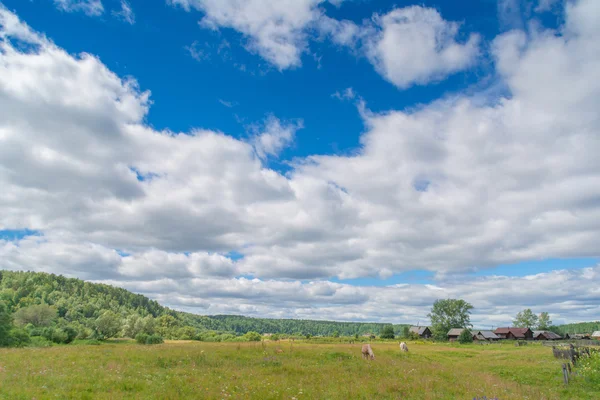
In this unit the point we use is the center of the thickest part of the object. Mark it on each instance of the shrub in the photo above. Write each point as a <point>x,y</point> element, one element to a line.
<point>18,338</point>
<point>59,336</point>
<point>589,367</point>
<point>252,336</point>
<point>141,338</point>
<point>465,337</point>
<point>154,339</point>
<point>39,341</point>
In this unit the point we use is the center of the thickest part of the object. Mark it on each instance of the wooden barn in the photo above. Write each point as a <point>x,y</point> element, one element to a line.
<point>485,336</point>
<point>514,333</point>
<point>423,331</point>
<point>454,333</point>
<point>596,335</point>
<point>545,335</point>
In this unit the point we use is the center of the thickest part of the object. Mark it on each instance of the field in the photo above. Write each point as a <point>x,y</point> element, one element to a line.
<point>285,370</point>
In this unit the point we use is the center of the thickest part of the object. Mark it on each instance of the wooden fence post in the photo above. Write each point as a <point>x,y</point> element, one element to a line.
<point>565,374</point>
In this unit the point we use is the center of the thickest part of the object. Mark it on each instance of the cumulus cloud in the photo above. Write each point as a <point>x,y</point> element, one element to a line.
<point>92,8</point>
<point>450,187</point>
<point>126,13</point>
<point>274,136</point>
<point>275,29</point>
<point>407,46</point>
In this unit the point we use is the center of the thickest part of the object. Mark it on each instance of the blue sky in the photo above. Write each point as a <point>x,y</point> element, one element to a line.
<point>206,150</point>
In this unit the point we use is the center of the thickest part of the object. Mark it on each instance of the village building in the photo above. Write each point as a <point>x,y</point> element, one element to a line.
<point>485,336</point>
<point>514,333</point>
<point>454,333</point>
<point>545,335</point>
<point>596,335</point>
<point>423,331</point>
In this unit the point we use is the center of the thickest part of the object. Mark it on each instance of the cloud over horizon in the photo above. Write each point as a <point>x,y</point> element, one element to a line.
<point>460,184</point>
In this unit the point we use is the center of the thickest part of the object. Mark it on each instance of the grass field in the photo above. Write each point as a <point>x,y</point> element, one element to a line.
<point>285,370</point>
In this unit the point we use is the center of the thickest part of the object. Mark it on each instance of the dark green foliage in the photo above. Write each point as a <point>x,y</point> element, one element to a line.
<point>154,339</point>
<point>465,337</point>
<point>18,337</point>
<point>387,332</point>
<point>405,332</point>
<point>447,314</point>
<point>141,338</point>
<point>5,324</point>
<point>580,327</point>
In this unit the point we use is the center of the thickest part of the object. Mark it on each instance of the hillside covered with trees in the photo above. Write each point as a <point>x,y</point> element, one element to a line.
<point>61,309</point>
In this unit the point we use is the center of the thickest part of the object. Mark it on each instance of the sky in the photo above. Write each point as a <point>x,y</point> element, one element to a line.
<point>345,160</point>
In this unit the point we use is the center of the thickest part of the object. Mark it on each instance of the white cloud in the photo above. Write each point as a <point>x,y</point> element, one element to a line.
<point>89,7</point>
<point>346,94</point>
<point>274,137</point>
<point>275,29</point>
<point>415,45</point>
<point>452,186</point>
<point>126,13</point>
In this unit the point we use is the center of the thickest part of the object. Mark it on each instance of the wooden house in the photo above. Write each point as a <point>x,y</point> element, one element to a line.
<point>423,331</point>
<point>514,333</point>
<point>545,335</point>
<point>485,336</point>
<point>454,333</point>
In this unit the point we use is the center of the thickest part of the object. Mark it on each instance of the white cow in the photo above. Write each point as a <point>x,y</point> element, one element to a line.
<point>403,347</point>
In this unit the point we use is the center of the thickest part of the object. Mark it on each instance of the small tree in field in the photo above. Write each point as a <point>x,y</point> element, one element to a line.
<point>387,332</point>
<point>465,337</point>
<point>406,332</point>
<point>336,334</point>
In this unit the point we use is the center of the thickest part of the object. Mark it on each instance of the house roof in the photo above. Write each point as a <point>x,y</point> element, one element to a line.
<point>455,331</point>
<point>548,334</point>
<point>487,334</point>
<point>517,332</point>
<point>596,334</point>
<point>418,329</point>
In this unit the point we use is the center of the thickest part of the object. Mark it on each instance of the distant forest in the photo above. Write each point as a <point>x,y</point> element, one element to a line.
<point>62,309</point>
<point>55,306</point>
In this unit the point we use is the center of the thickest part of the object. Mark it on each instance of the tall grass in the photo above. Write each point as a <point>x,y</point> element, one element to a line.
<point>285,370</point>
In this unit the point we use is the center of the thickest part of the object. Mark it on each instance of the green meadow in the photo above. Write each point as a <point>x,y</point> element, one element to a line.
<point>286,370</point>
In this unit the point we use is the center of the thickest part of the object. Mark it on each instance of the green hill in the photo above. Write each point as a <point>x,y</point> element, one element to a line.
<point>44,304</point>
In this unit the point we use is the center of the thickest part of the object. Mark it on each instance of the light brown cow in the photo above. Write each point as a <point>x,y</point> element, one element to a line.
<point>403,347</point>
<point>367,352</point>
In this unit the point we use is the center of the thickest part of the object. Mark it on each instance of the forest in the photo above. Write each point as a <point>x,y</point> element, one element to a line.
<point>47,307</point>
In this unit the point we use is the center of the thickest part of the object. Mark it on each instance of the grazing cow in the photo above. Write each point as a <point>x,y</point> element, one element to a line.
<point>367,352</point>
<point>403,347</point>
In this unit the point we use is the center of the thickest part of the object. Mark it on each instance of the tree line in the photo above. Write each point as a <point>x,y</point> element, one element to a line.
<point>52,308</point>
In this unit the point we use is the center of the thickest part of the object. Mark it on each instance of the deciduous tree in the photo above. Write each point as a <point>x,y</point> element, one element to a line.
<point>447,314</point>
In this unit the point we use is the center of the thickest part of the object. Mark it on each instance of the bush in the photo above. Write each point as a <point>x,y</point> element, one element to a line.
<point>141,338</point>
<point>252,336</point>
<point>465,337</point>
<point>18,338</point>
<point>154,339</point>
<point>59,336</point>
<point>589,367</point>
<point>39,341</point>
